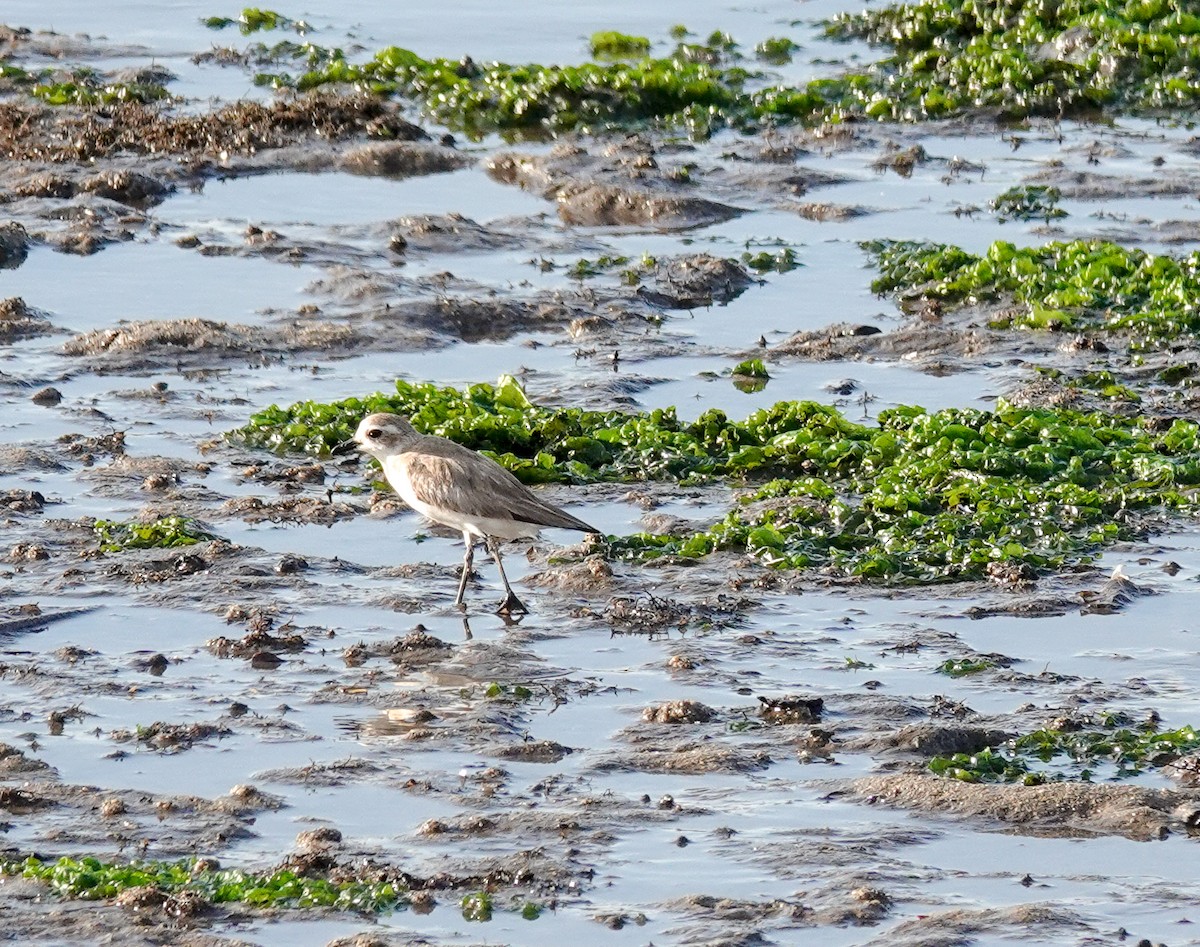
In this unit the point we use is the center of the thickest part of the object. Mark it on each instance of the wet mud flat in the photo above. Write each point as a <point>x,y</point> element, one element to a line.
<point>239,672</point>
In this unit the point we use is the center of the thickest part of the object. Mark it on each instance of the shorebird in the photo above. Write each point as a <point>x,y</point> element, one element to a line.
<point>458,487</point>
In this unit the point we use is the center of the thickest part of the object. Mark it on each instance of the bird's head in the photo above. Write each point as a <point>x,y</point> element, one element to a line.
<point>383,435</point>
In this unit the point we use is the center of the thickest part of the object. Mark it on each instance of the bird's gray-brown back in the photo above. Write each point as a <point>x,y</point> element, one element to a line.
<point>443,473</point>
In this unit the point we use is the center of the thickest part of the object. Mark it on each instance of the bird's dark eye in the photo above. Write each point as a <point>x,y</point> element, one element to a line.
<point>374,433</point>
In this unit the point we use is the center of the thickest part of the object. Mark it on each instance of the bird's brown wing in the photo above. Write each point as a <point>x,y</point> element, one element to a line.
<point>445,474</point>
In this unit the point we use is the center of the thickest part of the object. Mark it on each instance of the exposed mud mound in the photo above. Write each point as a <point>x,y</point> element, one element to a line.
<point>18,321</point>
<point>650,614</point>
<point>89,922</point>
<point>611,190</point>
<point>961,926</point>
<point>141,344</point>
<point>1052,809</point>
<point>14,762</point>
<point>835,213</point>
<point>402,159</point>
<point>698,280</point>
<point>934,348</point>
<point>1092,186</point>
<point>483,319</point>
<point>533,751</point>
<point>592,576</point>
<point>41,133</point>
<point>305,509</point>
<point>679,711</point>
<point>165,825</point>
<point>934,740</point>
<point>126,187</point>
<point>685,744</point>
<point>599,205</point>
<point>451,233</point>
<point>14,245</point>
<point>45,184</point>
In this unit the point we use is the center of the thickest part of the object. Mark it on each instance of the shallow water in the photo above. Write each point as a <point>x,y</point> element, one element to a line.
<point>793,842</point>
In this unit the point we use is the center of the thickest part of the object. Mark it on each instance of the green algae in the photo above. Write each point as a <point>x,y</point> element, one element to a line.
<point>1028,57</point>
<point>584,268</point>
<point>510,693</point>
<point>477,98</point>
<point>83,86</point>
<point>477,906</point>
<point>1080,284</point>
<point>956,494</point>
<point>610,44</point>
<point>92,879</point>
<point>306,53</point>
<point>79,86</point>
<point>1028,202</point>
<point>946,57</point>
<point>781,261</point>
<point>986,766</point>
<point>776,50</point>
<point>750,376</point>
<point>751,368</point>
<point>1112,750</point>
<point>539,444</point>
<point>698,87</point>
<point>98,92</point>
<point>165,533</point>
<point>1177,374</point>
<point>917,497</point>
<point>1105,384</point>
<point>964,667</point>
<point>942,58</point>
<point>254,19</point>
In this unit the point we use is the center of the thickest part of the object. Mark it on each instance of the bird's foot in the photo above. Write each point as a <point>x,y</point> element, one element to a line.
<point>510,605</point>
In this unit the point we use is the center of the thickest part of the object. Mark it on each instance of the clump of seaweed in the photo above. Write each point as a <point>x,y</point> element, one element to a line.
<point>165,533</point>
<point>1073,285</point>
<point>1112,749</point>
<point>917,497</point>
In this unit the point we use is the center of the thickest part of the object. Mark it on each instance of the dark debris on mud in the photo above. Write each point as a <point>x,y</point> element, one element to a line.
<point>171,737</point>
<point>650,614</point>
<point>69,135</point>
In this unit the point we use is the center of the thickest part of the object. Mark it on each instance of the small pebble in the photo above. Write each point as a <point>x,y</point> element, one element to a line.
<point>290,564</point>
<point>46,396</point>
<point>112,806</point>
<point>265,661</point>
<point>157,664</point>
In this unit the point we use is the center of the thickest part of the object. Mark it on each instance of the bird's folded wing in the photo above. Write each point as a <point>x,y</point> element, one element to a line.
<point>474,485</point>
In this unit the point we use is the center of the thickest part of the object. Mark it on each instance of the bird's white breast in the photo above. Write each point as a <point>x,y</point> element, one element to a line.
<point>447,515</point>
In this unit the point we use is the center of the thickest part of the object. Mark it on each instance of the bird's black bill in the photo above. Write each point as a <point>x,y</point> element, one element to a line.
<point>345,447</point>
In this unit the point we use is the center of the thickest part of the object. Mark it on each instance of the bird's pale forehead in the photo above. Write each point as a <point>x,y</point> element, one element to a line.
<point>376,420</point>
<point>389,423</point>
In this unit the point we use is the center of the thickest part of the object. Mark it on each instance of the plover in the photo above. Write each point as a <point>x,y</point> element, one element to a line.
<point>458,487</point>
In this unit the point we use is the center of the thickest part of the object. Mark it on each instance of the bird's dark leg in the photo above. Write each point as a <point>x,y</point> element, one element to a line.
<point>468,561</point>
<point>511,603</point>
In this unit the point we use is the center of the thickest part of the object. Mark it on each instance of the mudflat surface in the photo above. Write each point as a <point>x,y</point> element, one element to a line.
<point>708,752</point>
